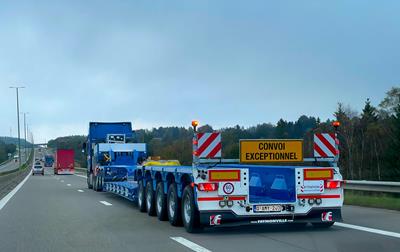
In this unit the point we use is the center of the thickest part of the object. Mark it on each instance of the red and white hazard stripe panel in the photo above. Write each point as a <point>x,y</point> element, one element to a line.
<point>325,145</point>
<point>209,145</point>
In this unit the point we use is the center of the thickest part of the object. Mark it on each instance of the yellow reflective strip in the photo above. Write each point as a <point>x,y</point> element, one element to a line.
<point>225,175</point>
<point>318,174</point>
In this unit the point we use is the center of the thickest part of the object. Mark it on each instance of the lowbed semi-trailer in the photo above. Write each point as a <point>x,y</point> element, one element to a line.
<point>211,193</point>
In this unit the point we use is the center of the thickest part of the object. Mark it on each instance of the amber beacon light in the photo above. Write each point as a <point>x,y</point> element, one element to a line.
<point>195,123</point>
<point>336,124</point>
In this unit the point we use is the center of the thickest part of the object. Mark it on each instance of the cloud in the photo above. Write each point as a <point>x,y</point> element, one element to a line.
<point>162,64</point>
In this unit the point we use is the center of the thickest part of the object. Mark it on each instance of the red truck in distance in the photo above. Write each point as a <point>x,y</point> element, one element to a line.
<point>64,162</point>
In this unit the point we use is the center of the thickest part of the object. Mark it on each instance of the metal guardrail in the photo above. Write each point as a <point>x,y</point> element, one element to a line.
<point>372,186</point>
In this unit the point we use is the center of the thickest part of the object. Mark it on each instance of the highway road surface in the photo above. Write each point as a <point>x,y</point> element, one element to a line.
<point>11,165</point>
<point>58,213</point>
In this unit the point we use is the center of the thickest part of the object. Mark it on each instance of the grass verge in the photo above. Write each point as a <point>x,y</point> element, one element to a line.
<point>372,199</point>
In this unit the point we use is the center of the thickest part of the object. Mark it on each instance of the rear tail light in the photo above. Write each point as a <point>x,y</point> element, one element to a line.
<point>208,187</point>
<point>333,184</point>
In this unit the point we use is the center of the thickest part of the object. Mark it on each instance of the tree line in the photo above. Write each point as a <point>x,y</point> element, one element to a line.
<point>369,139</point>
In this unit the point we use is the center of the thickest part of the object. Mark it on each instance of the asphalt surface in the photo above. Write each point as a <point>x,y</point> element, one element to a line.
<point>11,165</point>
<point>48,213</point>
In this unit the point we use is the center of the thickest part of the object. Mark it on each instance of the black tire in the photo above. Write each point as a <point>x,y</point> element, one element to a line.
<point>190,213</point>
<point>89,185</point>
<point>173,206</point>
<point>95,183</point>
<point>323,224</point>
<point>141,197</point>
<point>150,202</point>
<point>161,202</point>
<point>99,186</point>
<point>101,182</point>
<point>33,174</point>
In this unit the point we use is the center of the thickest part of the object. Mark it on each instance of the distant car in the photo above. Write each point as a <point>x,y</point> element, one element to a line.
<point>38,163</point>
<point>38,169</point>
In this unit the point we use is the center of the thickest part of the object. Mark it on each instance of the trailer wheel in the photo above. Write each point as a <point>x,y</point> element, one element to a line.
<point>161,202</point>
<point>88,179</point>
<point>141,199</point>
<point>173,206</point>
<point>150,206</point>
<point>323,224</point>
<point>94,179</point>
<point>99,183</point>
<point>190,214</point>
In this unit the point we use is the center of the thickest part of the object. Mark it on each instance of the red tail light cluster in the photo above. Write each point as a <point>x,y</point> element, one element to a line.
<point>208,187</point>
<point>333,184</point>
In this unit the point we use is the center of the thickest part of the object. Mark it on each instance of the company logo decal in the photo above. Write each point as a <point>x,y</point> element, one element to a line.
<point>215,220</point>
<point>326,216</point>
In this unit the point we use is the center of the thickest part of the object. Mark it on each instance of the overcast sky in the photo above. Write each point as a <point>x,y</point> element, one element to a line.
<point>163,63</point>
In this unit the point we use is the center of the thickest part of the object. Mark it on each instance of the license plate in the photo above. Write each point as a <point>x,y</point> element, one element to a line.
<point>268,208</point>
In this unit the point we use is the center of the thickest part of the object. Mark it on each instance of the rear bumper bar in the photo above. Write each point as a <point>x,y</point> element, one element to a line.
<point>65,172</point>
<point>228,218</point>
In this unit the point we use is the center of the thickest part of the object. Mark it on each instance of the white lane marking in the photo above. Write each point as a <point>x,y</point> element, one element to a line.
<point>62,181</point>
<point>68,184</point>
<point>106,203</point>
<point>80,190</point>
<point>366,229</point>
<point>193,246</point>
<point>6,198</point>
<point>80,176</point>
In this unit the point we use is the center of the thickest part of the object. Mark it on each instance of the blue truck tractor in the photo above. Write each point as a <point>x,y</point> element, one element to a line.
<point>110,155</point>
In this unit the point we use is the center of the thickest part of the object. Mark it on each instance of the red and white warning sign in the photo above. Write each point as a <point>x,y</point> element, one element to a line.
<point>209,145</point>
<point>325,145</point>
